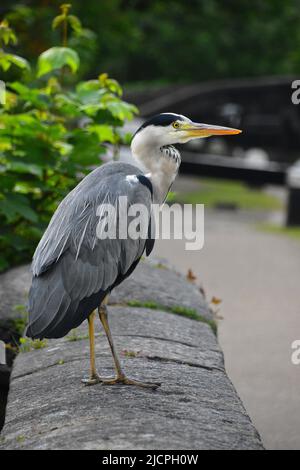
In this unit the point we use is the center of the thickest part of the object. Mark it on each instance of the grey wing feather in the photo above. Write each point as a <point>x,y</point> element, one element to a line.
<point>70,263</point>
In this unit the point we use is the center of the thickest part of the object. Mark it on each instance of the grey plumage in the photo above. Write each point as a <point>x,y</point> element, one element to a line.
<point>72,269</point>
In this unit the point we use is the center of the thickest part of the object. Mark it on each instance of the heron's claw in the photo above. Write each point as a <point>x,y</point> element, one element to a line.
<point>123,380</point>
<point>94,380</point>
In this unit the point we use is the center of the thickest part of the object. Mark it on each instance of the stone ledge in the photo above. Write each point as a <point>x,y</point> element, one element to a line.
<point>196,407</point>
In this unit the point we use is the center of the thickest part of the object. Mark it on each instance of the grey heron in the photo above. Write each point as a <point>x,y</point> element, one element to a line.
<point>73,270</point>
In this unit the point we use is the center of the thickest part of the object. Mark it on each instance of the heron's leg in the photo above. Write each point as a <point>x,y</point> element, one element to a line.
<point>94,377</point>
<point>121,377</point>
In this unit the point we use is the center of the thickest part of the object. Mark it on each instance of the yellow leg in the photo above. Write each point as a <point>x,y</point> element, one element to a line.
<point>94,377</point>
<point>121,377</point>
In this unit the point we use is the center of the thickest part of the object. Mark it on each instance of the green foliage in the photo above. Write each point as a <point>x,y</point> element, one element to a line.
<point>64,20</point>
<point>19,323</point>
<point>174,41</point>
<point>7,36</point>
<point>52,132</point>
<point>74,336</point>
<point>56,58</point>
<point>28,345</point>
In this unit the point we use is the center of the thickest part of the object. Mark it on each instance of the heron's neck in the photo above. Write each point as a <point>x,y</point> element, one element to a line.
<point>161,165</point>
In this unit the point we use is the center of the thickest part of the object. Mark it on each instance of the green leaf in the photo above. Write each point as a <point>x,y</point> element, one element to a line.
<point>111,84</point>
<point>5,144</point>
<point>121,109</point>
<point>90,92</point>
<point>31,96</point>
<point>104,132</point>
<point>23,167</point>
<point>15,205</point>
<point>67,105</point>
<point>63,147</point>
<point>58,20</point>
<point>7,35</point>
<point>56,58</point>
<point>5,64</point>
<point>7,60</point>
<point>75,23</point>
<point>18,61</point>
<point>86,149</point>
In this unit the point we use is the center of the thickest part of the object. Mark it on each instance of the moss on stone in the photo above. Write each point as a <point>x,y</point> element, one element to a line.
<point>177,310</point>
<point>74,336</point>
<point>27,344</point>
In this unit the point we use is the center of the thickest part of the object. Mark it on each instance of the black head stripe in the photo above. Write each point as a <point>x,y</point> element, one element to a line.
<point>161,120</point>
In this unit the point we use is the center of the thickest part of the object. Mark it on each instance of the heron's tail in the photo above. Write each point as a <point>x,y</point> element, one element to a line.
<point>49,307</point>
<point>52,311</point>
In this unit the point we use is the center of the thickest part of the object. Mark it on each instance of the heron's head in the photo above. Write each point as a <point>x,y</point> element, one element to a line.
<point>168,128</point>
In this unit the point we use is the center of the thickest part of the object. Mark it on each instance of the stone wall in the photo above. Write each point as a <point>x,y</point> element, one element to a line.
<point>196,407</point>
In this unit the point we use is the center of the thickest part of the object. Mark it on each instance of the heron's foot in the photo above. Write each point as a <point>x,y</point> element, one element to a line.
<point>123,380</point>
<point>92,380</point>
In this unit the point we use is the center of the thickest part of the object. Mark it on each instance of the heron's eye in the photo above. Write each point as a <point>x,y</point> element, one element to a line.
<point>176,125</point>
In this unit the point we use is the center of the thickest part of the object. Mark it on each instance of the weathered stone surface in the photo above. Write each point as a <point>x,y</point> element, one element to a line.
<point>167,288</point>
<point>147,333</point>
<point>195,408</point>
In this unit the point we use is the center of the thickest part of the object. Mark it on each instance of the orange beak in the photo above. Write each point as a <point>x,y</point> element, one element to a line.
<point>206,130</point>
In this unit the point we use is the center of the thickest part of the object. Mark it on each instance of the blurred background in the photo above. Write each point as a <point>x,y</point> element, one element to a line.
<point>229,63</point>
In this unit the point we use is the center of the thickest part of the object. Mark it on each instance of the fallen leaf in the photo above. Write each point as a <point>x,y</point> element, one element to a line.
<point>215,301</point>
<point>191,276</point>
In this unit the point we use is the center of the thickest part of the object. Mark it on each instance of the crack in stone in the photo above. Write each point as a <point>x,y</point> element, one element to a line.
<point>141,356</point>
<point>151,358</point>
<point>181,362</point>
<point>159,338</point>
